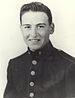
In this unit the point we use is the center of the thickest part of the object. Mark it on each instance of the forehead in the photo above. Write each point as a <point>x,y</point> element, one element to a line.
<point>34,17</point>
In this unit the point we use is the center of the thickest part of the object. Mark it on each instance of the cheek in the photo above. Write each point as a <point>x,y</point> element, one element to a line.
<point>44,34</point>
<point>25,34</point>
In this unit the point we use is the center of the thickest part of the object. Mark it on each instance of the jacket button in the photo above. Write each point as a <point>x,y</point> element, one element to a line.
<point>34,62</point>
<point>40,52</point>
<point>31,94</point>
<point>31,83</point>
<point>32,73</point>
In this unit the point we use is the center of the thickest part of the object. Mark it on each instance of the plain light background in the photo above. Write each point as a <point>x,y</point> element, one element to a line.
<point>11,41</point>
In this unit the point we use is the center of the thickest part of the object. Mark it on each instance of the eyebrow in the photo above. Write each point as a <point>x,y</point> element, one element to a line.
<point>41,24</point>
<point>26,24</point>
<point>36,24</point>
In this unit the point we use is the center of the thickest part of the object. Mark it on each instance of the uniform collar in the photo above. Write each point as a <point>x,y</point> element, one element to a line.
<point>47,50</point>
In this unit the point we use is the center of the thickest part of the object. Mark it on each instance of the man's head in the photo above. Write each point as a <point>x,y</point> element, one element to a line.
<point>35,7</point>
<point>36,24</point>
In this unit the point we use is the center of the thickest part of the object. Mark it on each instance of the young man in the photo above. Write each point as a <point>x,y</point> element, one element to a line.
<point>43,71</point>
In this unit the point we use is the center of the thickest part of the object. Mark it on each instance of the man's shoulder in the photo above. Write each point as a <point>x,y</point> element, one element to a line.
<point>66,56</point>
<point>63,56</point>
<point>20,57</point>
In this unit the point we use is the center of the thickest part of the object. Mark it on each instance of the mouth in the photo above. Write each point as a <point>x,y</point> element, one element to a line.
<point>34,39</point>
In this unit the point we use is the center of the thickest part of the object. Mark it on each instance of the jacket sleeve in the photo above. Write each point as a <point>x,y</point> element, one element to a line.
<point>70,81</point>
<point>9,90</point>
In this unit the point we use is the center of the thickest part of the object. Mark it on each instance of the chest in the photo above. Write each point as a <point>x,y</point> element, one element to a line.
<point>40,76</point>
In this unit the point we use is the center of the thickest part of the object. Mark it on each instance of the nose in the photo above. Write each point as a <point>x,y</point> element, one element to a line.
<point>33,32</point>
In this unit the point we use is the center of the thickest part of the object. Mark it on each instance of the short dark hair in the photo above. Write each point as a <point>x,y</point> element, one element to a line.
<point>36,6</point>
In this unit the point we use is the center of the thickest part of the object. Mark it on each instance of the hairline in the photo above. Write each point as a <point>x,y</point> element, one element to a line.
<point>35,12</point>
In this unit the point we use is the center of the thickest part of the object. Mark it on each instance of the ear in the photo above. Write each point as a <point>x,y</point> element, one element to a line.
<point>52,26</point>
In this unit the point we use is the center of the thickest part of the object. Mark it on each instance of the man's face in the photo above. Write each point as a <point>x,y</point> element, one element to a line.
<point>36,29</point>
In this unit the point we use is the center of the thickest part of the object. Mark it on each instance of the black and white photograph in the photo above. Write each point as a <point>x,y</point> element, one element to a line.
<point>37,49</point>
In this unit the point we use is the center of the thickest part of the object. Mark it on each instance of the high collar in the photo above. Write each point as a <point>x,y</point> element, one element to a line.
<point>45,51</point>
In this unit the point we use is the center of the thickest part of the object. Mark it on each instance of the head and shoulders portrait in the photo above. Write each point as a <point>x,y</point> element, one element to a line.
<point>43,71</point>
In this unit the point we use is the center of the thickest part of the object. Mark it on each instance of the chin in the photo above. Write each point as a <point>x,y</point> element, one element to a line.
<point>35,48</point>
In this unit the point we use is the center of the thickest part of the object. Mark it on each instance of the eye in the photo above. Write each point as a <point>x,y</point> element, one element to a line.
<point>41,26</point>
<point>26,27</point>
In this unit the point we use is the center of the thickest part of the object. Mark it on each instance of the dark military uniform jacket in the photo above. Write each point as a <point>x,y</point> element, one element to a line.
<point>45,73</point>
